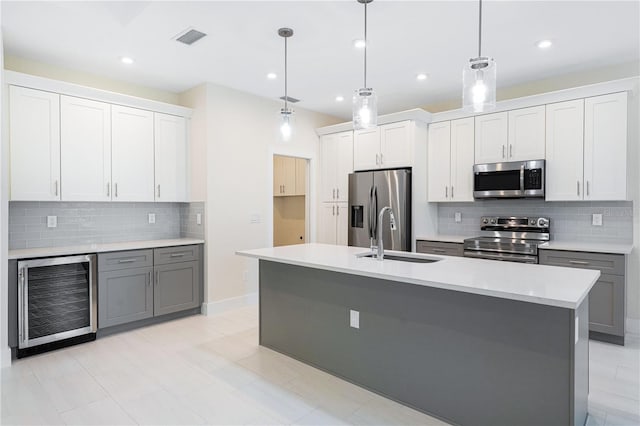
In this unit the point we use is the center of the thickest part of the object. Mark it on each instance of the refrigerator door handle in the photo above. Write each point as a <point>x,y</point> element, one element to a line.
<point>370,211</point>
<point>375,212</point>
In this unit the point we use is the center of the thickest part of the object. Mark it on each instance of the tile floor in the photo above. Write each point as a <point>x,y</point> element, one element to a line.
<point>210,370</point>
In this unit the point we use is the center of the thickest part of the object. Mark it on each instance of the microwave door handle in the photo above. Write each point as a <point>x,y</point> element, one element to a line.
<point>522,179</point>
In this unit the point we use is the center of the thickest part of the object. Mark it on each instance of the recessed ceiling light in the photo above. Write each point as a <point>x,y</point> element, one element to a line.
<point>272,76</point>
<point>359,43</point>
<point>421,76</point>
<point>544,44</point>
<point>339,98</point>
<point>126,60</point>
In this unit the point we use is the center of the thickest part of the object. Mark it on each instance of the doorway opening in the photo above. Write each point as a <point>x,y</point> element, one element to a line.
<point>290,200</point>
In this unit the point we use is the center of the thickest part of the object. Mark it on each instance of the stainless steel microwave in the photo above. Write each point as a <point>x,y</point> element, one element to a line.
<point>517,179</point>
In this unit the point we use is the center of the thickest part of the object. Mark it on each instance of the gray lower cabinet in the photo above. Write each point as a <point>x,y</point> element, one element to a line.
<point>439,247</point>
<point>140,284</point>
<point>176,287</point>
<point>607,297</point>
<point>124,295</point>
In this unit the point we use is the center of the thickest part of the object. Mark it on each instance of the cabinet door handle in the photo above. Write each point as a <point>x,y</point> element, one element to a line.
<point>334,194</point>
<point>338,193</point>
<point>338,211</point>
<point>446,191</point>
<point>158,190</point>
<point>510,150</point>
<point>587,188</point>
<point>381,160</point>
<point>108,189</point>
<point>502,151</point>
<point>157,278</point>
<point>435,250</point>
<point>126,260</point>
<point>451,191</point>
<point>578,188</point>
<point>116,189</point>
<point>55,184</point>
<point>149,281</point>
<point>176,255</point>
<point>333,210</point>
<point>578,262</point>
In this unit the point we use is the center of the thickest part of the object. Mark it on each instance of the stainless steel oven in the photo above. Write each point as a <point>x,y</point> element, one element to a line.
<point>519,179</point>
<point>57,299</point>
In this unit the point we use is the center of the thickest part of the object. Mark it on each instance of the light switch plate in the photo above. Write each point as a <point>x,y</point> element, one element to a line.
<point>52,221</point>
<point>152,218</point>
<point>596,219</point>
<point>199,219</point>
<point>354,318</point>
<point>458,217</point>
<point>255,218</point>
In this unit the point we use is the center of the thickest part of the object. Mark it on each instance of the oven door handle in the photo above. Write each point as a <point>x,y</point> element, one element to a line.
<point>522,178</point>
<point>501,256</point>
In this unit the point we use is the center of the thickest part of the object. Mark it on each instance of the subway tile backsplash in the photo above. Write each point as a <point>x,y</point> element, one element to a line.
<point>570,221</point>
<point>88,223</point>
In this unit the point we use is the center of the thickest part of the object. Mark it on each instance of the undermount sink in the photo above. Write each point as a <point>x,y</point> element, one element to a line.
<point>401,258</point>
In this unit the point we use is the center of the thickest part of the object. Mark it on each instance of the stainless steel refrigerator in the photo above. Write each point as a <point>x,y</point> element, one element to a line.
<point>369,192</point>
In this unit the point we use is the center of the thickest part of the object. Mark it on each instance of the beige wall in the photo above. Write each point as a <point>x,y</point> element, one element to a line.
<point>289,220</point>
<point>565,81</point>
<point>239,131</point>
<point>54,72</point>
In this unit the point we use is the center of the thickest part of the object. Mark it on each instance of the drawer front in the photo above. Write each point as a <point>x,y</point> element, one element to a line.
<point>613,264</point>
<point>437,247</point>
<point>125,260</point>
<point>167,255</point>
<point>606,305</point>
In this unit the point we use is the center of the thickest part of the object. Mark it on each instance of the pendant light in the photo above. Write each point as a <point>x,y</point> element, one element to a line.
<point>365,105</point>
<point>285,113</point>
<point>479,79</point>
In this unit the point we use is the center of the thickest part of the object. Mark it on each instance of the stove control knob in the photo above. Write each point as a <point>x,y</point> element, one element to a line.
<point>542,222</point>
<point>493,221</point>
<point>485,220</point>
<point>532,222</point>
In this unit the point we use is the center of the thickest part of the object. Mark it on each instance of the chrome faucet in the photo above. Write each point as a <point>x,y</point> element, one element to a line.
<point>392,220</point>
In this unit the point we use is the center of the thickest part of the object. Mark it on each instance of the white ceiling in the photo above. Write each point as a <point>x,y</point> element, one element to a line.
<point>242,46</point>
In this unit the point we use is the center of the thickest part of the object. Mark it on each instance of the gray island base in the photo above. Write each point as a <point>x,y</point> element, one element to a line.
<point>465,358</point>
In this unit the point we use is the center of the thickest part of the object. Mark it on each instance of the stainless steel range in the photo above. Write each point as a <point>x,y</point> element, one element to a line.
<point>513,239</point>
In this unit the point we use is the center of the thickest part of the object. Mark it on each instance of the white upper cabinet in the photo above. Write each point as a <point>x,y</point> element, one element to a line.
<point>564,151</point>
<point>462,155</point>
<point>170,158</point>
<point>491,139</point>
<point>132,154</point>
<point>439,161</point>
<point>34,134</point>
<point>387,146</point>
<point>366,149</point>
<point>336,164</point>
<point>526,134</point>
<point>85,149</point>
<point>516,135</point>
<point>605,147</point>
<point>450,161</point>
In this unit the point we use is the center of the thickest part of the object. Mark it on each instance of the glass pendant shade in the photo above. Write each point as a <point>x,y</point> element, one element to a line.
<point>365,109</point>
<point>286,124</point>
<point>479,85</point>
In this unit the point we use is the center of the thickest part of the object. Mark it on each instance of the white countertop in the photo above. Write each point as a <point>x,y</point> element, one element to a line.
<point>546,285</point>
<point>443,238</point>
<point>100,248</point>
<point>589,247</point>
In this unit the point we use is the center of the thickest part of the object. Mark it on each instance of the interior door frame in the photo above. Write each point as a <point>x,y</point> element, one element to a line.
<point>310,198</point>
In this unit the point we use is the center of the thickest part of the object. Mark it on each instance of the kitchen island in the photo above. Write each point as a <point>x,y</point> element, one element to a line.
<point>473,342</point>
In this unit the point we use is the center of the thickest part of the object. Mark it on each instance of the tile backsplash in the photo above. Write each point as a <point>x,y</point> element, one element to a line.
<point>570,221</point>
<point>188,220</point>
<point>89,223</point>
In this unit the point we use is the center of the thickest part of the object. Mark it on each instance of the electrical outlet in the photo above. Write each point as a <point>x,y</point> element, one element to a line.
<point>255,218</point>
<point>152,218</point>
<point>199,219</point>
<point>354,319</point>
<point>52,221</point>
<point>458,217</point>
<point>596,219</point>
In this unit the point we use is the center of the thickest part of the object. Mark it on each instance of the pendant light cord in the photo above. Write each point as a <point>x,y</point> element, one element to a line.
<point>480,31</point>
<point>285,74</point>
<point>365,45</point>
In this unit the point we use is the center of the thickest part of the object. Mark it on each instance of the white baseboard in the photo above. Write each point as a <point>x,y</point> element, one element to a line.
<point>219,306</point>
<point>5,358</point>
<point>633,326</point>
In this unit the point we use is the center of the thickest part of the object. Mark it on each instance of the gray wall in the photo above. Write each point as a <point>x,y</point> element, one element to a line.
<point>88,223</point>
<point>569,220</point>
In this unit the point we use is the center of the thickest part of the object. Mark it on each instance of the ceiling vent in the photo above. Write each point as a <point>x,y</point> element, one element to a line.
<point>290,99</point>
<point>190,37</point>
